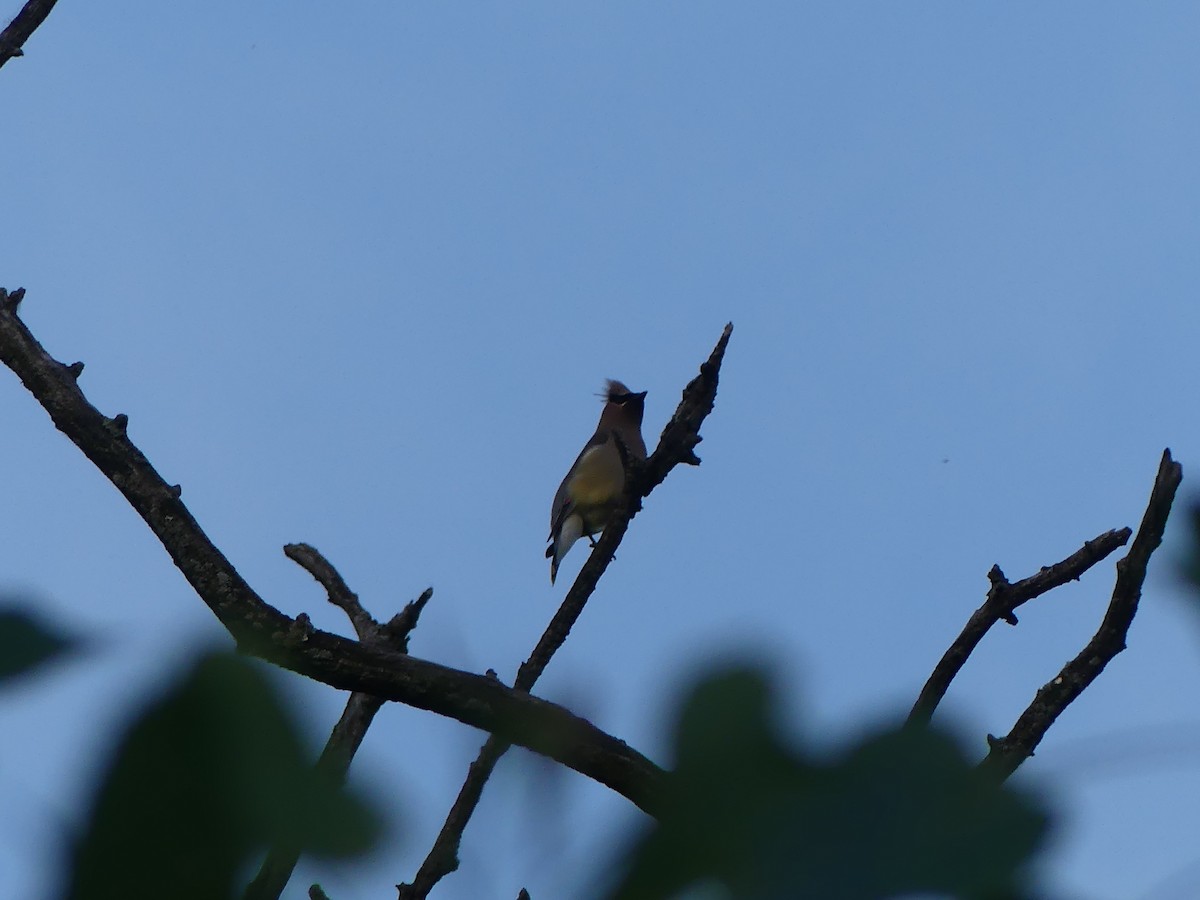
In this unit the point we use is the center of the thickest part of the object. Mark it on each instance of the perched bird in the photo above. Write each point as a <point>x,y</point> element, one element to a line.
<point>593,486</point>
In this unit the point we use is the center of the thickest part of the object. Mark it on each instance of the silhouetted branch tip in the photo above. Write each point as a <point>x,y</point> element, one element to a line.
<point>400,626</point>
<point>337,591</point>
<point>10,301</point>
<point>682,432</point>
<point>310,559</point>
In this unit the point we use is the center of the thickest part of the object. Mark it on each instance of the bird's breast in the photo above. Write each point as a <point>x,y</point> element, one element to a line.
<point>598,478</point>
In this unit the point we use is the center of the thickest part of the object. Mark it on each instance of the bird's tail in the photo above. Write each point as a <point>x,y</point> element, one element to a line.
<point>568,533</point>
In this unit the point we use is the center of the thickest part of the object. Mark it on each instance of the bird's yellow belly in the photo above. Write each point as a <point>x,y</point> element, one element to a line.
<point>596,487</point>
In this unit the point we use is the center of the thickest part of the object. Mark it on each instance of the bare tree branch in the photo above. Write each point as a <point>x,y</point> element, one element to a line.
<point>294,644</point>
<point>676,445</point>
<point>22,27</point>
<point>334,761</point>
<point>1008,752</point>
<point>309,558</point>
<point>1003,598</point>
<point>442,858</point>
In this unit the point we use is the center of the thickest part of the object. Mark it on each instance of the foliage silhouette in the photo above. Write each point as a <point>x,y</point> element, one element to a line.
<point>901,811</point>
<point>205,778</point>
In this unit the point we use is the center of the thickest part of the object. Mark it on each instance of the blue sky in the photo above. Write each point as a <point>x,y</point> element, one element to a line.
<point>356,272</point>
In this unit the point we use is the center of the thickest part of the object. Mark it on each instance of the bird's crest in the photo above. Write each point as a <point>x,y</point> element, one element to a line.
<point>614,389</point>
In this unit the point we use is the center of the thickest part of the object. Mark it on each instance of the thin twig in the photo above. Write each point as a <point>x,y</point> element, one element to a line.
<point>1003,598</point>
<point>1008,752</point>
<point>675,446</point>
<point>22,27</point>
<point>309,558</point>
<point>347,735</point>
<point>294,644</point>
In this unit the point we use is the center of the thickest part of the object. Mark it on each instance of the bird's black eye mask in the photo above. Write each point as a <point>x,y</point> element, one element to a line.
<point>622,399</point>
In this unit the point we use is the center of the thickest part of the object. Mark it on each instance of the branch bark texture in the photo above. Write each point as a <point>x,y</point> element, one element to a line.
<point>22,27</point>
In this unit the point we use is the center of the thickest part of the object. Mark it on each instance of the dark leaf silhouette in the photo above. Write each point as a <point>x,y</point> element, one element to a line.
<point>900,812</point>
<point>26,641</point>
<point>205,778</point>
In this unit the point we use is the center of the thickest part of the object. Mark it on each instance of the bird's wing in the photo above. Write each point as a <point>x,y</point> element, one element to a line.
<point>561,507</point>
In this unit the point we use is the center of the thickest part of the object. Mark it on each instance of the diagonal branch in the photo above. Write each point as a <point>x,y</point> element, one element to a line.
<point>1008,752</point>
<point>334,761</point>
<point>1003,598</point>
<point>442,858</point>
<point>294,644</point>
<point>22,27</point>
<point>676,445</point>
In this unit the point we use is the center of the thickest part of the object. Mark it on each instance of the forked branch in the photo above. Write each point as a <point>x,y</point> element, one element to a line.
<point>347,735</point>
<point>1002,601</point>
<point>264,631</point>
<point>1008,752</point>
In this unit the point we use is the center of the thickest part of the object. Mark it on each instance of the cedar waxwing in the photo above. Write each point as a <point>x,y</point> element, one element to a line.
<point>587,496</point>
